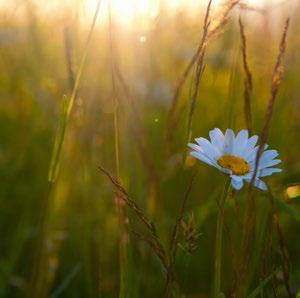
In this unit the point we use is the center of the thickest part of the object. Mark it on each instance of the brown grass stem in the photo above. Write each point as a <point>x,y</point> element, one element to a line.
<point>286,264</point>
<point>138,129</point>
<point>173,242</point>
<point>219,240</point>
<point>222,20</point>
<point>250,210</point>
<point>183,78</point>
<point>120,209</point>
<point>197,57</point>
<point>132,205</point>
<point>248,85</point>
<point>69,57</point>
<point>276,82</point>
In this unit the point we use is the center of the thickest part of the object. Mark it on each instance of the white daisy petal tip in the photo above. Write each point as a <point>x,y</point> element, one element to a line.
<point>237,185</point>
<point>234,155</point>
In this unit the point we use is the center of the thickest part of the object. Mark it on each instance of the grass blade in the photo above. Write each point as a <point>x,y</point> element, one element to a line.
<point>261,286</point>
<point>67,108</point>
<point>59,138</point>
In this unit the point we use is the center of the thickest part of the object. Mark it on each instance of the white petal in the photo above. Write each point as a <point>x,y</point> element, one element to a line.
<point>203,158</point>
<point>236,178</point>
<point>195,147</point>
<point>268,172</point>
<point>269,163</point>
<point>208,148</point>
<point>229,141</point>
<point>237,184</point>
<point>252,141</point>
<point>268,155</point>
<point>217,138</point>
<point>251,156</point>
<point>240,142</point>
<point>258,183</point>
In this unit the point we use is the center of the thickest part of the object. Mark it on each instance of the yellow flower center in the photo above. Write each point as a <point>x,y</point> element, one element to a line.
<point>237,165</point>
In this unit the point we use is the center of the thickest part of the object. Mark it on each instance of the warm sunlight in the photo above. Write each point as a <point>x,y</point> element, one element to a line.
<point>133,148</point>
<point>126,11</point>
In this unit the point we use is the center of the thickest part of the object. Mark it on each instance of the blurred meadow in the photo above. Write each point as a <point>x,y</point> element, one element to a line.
<point>96,112</point>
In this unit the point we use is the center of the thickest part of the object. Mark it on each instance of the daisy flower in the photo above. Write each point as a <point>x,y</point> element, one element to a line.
<point>235,155</point>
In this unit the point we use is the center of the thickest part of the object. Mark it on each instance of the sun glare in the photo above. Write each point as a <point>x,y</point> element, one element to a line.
<point>126,11</point>
<point>132,12</point>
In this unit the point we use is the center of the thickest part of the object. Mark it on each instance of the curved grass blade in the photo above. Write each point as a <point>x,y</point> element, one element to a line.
<point>66,282</point>
<point>59,139</point>
<point>258,290</point>
<point>67,107</point>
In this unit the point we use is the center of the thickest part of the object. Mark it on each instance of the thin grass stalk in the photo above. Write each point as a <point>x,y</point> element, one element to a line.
<point>227,231</point>
<point>139,135</point>
<point>123,262</point>
<point>38,286</point>
<point>218,245</point>
<point>199,72</point>
<point>138,129</point>
<point>173,242</point>
<point>38,281</point>
<point>220,23</point>
<point>132,205</point>
<point>269,253</point>
<point>186,73</point>
<point>69,57</point>
<point>286,263</point>
<point>258,253</point>
<point>250,216</point>
<point>60,136</point>
<point>248,85</point>
<point>223,19</point>
<point>233,81</point>
<point>262,284</point>
<point>276,82</point>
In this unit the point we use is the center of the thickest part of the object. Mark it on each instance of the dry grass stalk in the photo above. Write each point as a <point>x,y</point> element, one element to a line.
<point>223,18</point>
<point>129,202</point>
<point>121,212</point>
<point>138,129</point>
<point>139,135</point>
<point>286,264</point>
<point>183,78</point>
<point>230,242</point>
<point>69,57</point>
<point>268,252</point>
<point>174,236</point>
<point>206,35</point>
<point>199,72</point>
<point>154,240</point>
<point>248,86</point>
<point>156,248</point>
<point>276,82</point>
<point>250,214</point>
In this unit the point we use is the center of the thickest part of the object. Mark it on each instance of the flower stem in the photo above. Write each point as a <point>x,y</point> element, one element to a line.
<point>219,235</point>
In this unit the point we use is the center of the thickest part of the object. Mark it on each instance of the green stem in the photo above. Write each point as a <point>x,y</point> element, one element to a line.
<point>219,236</point>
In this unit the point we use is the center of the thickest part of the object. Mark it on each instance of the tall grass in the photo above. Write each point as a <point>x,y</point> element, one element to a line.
<point>150,222</point>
